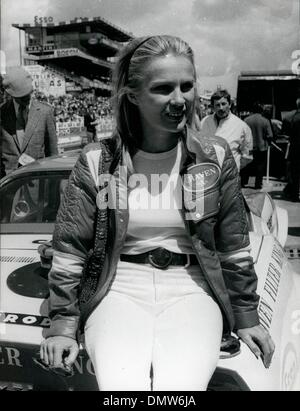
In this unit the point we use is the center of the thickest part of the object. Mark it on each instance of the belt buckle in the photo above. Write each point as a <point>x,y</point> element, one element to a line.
<point>160,258</point>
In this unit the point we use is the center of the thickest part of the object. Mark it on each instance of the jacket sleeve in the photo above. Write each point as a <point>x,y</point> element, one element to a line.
<point>233,246</point>
<point>51,136</point>
<point>72,240</point>
<point>246,146</point>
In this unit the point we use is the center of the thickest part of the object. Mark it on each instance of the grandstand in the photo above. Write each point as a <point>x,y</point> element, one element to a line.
<point>81,51</point>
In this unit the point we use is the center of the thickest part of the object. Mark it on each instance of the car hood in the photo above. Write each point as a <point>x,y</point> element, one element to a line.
<point>23,242</point>
<point>19,261</point>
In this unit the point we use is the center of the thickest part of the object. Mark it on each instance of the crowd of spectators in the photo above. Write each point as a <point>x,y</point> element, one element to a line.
<point>69,107</point>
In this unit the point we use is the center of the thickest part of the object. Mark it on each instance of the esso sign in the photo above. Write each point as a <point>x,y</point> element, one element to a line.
<point>41,20</point>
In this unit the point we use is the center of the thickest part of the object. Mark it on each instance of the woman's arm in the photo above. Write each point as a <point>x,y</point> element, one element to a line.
<point>72,240</point>
<point>233,245</point>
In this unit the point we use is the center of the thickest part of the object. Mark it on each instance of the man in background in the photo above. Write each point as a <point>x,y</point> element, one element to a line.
<point>262,136</point>
<point>90,122</point>
<point>27,129</point>
<point>223,123</point>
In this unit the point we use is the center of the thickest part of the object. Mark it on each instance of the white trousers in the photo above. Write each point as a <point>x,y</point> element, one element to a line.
<point>159,320</point>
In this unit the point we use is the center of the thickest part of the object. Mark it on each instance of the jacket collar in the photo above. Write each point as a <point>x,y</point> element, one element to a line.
<point>8,117</point>
<point>199,148</point>
<point>17,105</point>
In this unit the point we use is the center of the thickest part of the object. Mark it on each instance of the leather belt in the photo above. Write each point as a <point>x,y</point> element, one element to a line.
<point>161,258</point>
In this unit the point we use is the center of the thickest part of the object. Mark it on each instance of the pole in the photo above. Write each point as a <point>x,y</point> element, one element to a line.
<point>268,164</point>
<point>268,186</point>
<point>276,146</point>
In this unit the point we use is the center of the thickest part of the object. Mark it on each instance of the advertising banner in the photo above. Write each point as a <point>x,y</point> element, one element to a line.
<point>66,52</point>
<point>70,133</point>
<point>67,128</point>
<point>46,81</point>
<point>105,127</point>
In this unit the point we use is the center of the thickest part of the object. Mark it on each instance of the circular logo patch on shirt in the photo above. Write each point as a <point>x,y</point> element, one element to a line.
<point>201,177</point>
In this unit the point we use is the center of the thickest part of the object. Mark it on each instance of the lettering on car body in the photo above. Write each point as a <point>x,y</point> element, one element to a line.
<point>271,287</point>
<point>10,356</point>
<point>25,319</point>
<point>19,357</point>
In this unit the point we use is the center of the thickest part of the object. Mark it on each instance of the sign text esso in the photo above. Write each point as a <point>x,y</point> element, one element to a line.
<point>43,20</point>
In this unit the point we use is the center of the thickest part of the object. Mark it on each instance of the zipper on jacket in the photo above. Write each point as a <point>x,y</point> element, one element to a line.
<point>111,276</point>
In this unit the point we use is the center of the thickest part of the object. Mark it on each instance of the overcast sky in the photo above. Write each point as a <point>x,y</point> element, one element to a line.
<point>228,36</point>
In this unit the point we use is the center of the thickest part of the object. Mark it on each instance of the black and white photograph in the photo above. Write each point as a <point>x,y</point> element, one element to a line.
<point>149,198</point>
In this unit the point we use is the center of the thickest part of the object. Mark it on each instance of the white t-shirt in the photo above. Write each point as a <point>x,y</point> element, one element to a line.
<point>155,200</point>
<point>235,131</point>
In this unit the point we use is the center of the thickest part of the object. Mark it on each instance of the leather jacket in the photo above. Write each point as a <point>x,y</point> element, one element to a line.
<point>219,234</point>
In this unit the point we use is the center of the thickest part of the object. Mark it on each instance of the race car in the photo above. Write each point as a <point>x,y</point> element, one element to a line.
<point>30,198</point>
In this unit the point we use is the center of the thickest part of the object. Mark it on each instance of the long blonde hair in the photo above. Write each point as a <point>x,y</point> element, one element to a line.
<point>128,77</point>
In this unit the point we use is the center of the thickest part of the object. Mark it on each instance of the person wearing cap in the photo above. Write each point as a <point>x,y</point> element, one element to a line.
<point>27,129</point>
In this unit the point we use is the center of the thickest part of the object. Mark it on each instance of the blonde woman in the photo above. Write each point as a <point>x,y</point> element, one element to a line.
<point>172,269</point>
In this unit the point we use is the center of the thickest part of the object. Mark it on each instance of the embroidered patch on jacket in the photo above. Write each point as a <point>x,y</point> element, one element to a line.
<point>201,177</point>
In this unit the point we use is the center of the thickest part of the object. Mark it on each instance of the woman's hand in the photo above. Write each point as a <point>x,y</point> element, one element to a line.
<point>260,343</point>
<point>59,351</point>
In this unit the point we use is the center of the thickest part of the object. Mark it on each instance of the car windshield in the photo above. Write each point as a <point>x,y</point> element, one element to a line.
<point>30,203</point>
